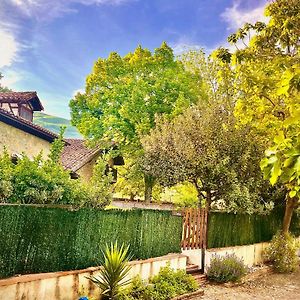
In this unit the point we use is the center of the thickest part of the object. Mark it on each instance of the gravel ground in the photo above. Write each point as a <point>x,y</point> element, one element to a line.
<point>267,287</point>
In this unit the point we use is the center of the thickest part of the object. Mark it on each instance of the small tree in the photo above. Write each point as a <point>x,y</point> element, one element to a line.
<point>204,148</point>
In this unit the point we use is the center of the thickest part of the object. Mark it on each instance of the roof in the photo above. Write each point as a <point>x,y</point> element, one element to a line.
<point>21,98</point>
<point>76,154</point>
<point>27,126</point>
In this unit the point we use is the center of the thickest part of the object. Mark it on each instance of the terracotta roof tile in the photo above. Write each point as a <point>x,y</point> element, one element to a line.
<point>27,126</point>
<point>76,154</point>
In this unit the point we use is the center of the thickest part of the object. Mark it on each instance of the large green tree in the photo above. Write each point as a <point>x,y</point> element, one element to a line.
<point>268,92</point>
<point>123,96</point>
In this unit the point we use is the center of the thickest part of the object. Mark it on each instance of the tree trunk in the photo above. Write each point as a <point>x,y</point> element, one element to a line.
<point>200,195</point>
<point>208,200</point>
<point>289,209</point>
<point>149,183</point>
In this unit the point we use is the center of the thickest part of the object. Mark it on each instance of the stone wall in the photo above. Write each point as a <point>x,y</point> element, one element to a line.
<point>17,141</point>
<point>72,284</point>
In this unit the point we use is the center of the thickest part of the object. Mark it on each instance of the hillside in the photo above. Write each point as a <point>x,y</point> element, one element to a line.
<point>54,123</point>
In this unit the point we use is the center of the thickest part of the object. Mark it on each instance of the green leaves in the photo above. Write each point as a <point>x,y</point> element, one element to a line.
<point>204,147</point>
<point>114,271</point>
<point>282,163</point>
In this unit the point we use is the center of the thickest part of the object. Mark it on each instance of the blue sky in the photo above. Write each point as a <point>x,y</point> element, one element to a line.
<point>50,45</point>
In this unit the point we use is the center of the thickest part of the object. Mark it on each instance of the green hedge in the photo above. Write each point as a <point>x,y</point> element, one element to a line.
<point>35,239</point>
<point>228,229</point>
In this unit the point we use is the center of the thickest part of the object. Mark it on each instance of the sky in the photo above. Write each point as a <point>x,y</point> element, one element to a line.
<point>50,46</point>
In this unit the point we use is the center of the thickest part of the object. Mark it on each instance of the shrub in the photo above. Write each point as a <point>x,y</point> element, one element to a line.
<point>226,268</point>
<point>282,253</point>
<point>166,285</point>
<point>114,271</point>
<point>136,290</point>
<point>45,181</point>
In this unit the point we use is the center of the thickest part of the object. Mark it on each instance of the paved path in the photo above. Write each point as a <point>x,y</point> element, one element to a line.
<point>268,287</point>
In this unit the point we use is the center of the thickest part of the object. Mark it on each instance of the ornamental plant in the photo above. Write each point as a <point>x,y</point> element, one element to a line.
<point>166,285</point>
<point>228,268</point>
<point>282,252</point>
<point>114,271</point>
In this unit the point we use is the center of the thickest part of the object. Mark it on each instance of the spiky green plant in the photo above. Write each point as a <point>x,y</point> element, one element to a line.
<point>114,270</point>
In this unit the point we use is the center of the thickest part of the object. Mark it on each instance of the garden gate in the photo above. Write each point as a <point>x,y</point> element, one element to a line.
<point>194,234</point>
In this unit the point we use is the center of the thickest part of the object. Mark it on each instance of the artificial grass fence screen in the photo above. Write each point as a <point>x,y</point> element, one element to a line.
<point>228,229</point>
<point>40,239</point>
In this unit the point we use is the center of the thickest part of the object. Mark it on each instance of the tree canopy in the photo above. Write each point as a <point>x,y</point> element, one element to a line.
<point>267,89</point>
<point>124,95</point>
<point>203,147</point>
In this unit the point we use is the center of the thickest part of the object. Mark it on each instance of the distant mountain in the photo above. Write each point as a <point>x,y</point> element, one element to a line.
<point>53,124</point>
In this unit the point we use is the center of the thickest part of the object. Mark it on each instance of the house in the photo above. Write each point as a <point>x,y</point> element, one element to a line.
<point>80,159</point>
<point>21,104</point>
<point>20,135</point>
<point>17,132</point>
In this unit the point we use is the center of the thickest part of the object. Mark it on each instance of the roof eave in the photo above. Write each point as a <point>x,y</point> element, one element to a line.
<point>10,120</point>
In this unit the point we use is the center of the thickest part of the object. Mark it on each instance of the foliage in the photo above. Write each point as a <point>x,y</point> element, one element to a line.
<point>217,79</point>
<point>115,269</point>
<point>44,181</point>
<point>228,268</point>
<point>169,283</point>
<point>124,95</point>
<point>203,147</point>
<point>182,195</point>
<point>164,286</point>
<point>282,252</point>
<point>41,239</point>
<point>136,290</point>
<point>268,89</point>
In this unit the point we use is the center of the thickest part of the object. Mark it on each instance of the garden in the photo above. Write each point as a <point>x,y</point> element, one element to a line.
<point>217,133</point>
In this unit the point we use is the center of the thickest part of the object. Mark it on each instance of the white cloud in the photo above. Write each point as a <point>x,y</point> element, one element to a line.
<point>49,9</point>
<point>235,16</point>
<point>8,48</point>
<point>11,77</point>
<point>181,48</point>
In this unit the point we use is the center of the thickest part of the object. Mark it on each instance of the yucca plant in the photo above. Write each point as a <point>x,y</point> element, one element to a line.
<point>114,269</point>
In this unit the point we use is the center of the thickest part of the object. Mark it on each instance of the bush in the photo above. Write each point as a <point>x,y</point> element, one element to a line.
<point>136,290</point>
<point>227,268</point>
<point>282,253</point>
<point>115,269</point>
<point>166,285</point>
<point>45,181</point>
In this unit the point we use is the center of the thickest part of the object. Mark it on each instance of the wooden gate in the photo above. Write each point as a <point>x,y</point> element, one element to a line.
<point>194,234</point>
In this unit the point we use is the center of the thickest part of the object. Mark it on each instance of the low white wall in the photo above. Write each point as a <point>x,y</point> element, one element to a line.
<point>251,254</point>
<point>70,285</point>
<point>194,257</point>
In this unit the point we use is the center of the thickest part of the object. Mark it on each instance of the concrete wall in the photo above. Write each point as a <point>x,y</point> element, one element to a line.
<point>194,257</point>
<point>86,171</point>
<point>72,284</point>
<point>251,254</point>
<point>18,141</point>
<point>128,204</point>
